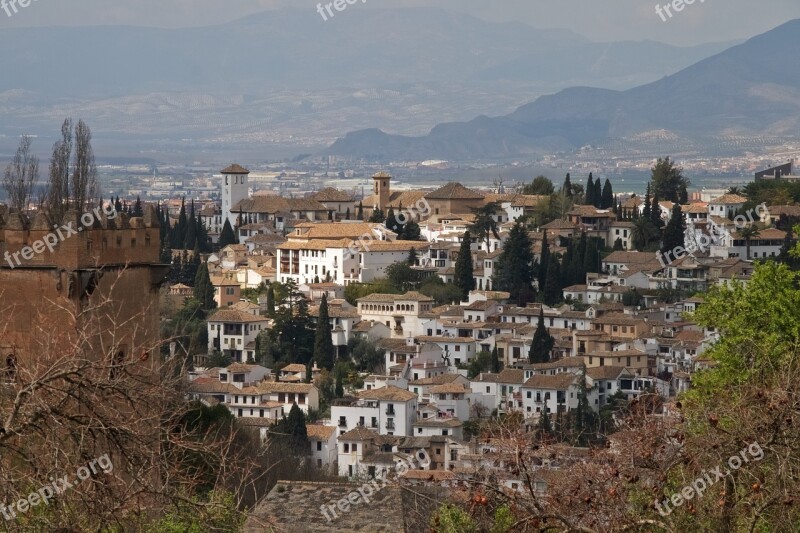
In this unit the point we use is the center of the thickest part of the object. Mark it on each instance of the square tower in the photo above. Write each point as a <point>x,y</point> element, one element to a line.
<point>382,190</point>
<point>234,190</point>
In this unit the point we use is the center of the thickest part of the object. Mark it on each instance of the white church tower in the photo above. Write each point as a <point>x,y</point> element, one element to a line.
<point>234,190</point>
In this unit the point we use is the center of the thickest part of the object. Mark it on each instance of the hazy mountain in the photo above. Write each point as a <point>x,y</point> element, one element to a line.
<point>749,89</point>
<point>288,76</point>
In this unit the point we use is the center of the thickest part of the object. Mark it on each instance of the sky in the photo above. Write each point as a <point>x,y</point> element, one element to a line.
<point>600,20</point>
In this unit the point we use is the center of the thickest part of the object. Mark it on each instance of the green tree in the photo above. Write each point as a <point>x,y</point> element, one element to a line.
<point>203,290</point>
<point>496,366</point>
<point>544,261</point>
<point>402,277</point>
<point>642,233</point>
<point>226,236</point>
<point>411,231</point>
<point>464,277</point>
<point>748,233</point>
<point>391,222</point>
<point>270,301</point>
<point>607,197</point>
<point>339,390</point>
<point>412,257</point>
<point>360,212</point>
<point>567,187</point>
<point>675,232</point>
<point>589,199</point>
<point>485,226</point>
<point>514,271</point>
<point>542,343</point>
<point>540,186</point>
<point>669,183</point>
<point>598,193</point>
<point>545,426</point>
<point>377,217</point>
<point>323,343</point>
<point>552,287</point>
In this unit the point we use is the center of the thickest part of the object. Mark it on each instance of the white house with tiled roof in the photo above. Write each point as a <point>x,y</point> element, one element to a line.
<point>387,410</point>
<point>233,332</point>
<point>552,394</point>
<point>322,441</point>
<point>402,313</point>
<point>726,205</point>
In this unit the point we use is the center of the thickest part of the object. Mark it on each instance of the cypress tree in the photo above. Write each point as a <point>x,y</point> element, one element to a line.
<point>227,236</point>
<point>347,214</point>
<point>203,289</point>
<point>607,201</point>
<point>567,187</point>
<point>552,286</point>
<point>339,389</point>
<point>323,345</point>
<point>646,206</point>
<point>590,261</point>
<point>655,214</point>
<point>544,261</point>
<point>412,257</point>
<point>360,214</point>
<point>674,233</point>
<point>589,191</point>
<point>495,360</point>
<point>391,221</point>
<point>191,229</point>
<point>464,276</point>
<point>514,271</point>
<point>181,227</point>
<point>542,343</point>
<point>598,193</point>
<point>270,301</point>
<point>137,208</point>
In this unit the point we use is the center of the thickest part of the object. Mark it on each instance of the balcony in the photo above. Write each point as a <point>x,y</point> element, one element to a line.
<point>390,412</point>
<point>390,425</point>
<point>342,422</point>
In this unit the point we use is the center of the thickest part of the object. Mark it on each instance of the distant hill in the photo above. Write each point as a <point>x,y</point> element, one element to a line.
<point>751,88</point>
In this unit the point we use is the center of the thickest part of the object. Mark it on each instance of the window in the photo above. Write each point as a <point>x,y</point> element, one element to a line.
<point>319,445</point>
<point>346,448</point>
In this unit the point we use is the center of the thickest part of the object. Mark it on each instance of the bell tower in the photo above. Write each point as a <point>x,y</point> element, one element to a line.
<point>382,190</point>
<point>234,190</point>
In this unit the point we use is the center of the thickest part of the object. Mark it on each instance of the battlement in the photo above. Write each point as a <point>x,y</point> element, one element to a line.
<point>80,241</point>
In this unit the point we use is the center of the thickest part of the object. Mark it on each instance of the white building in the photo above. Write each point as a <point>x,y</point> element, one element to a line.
<point>233,332</point>
<point>388,410</point>
<point>234,190</point>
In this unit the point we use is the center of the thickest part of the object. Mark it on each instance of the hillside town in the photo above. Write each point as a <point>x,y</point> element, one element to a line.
<point>418,321</point>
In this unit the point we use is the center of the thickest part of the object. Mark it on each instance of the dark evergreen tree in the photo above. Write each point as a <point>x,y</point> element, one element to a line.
<point>544,259</point>
<point>191,229</point>
<point>618,247</point>
<point>514,271</point>
<point>655,214</point>
<point>607,199</point>
<point>360,213</point>
<point>412,257</point>
<point>118,205</point>
<point>339,388</point>
<point>377,217</point>
<point>270,301</point>
<point>567,187</point>
<point>323,344</point>
<point>496,366</point>
<point>464,277</point>
<point>227,236</point>
<point>411,231</point>
<point>391,221</point>
<point>552,286</point>
<point>591,261</point>
<point>309,372</point>
<point>545,426</point>
<point>138,211</point>
<point>181,227</point>
<point>203,289</point>
<point>598,193</point>
<point>647,207</point>
<point>542,343</point>
<point>347,214</point>
<point>589,200</point>
<point>190,267</point>
<point>202,239</point>
<point>675,232</point>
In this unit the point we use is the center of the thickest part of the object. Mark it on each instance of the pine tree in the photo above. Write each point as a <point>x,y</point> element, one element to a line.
<point>203,289</point>
<point>675,232</point>
<point>227,236</point>
<point>464,277</point>
<point>377,217</point>
<point>567,187</point>
<point>542,343</point>
<point>552,286</point>
<point>589,200</point>
<point>496,367</point>
<point>323,344</point>
<point>607,201</point>
<point>514,271</point>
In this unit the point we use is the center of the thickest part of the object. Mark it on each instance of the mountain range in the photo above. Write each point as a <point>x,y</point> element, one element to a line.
<point>287,76</point>
<point>750,89</point>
